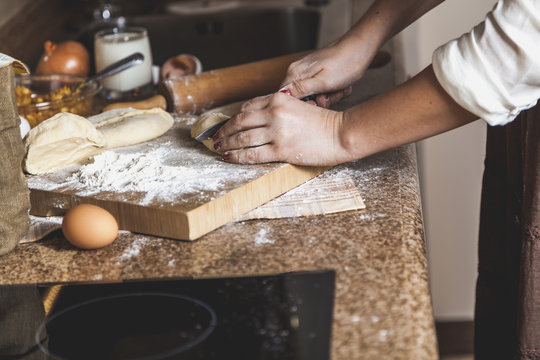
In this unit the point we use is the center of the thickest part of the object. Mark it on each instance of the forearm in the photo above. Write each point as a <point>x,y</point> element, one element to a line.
<point>383,20</point>
<point>417,109</point>
<point>279,127</point>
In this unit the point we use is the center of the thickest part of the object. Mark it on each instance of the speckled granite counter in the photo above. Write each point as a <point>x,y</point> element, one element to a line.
<point>382,306</point>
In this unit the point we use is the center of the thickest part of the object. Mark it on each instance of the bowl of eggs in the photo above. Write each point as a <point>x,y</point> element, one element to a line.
<point>39,97</point>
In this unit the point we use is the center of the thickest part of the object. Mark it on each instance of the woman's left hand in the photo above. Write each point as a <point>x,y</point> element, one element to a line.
<point>279,127</point>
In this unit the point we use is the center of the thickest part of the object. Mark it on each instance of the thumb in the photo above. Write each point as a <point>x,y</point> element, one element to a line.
<point>304,87</point>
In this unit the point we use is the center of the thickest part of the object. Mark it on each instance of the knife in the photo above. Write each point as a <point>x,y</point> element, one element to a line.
<point>208,133</point>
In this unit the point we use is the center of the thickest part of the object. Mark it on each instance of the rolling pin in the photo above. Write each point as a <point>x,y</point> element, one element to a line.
<point>193,94</point>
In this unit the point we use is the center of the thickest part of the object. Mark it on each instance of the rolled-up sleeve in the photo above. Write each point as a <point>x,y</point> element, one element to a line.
<point>494,70</point>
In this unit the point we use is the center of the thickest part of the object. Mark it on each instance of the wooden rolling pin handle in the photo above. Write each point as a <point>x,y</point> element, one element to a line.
<point>154,101</point>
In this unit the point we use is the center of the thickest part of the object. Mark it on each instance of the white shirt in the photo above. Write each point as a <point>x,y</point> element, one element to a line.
<point>494,70</point>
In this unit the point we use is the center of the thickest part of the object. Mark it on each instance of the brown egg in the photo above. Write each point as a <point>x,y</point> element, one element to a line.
<point>88,226</point>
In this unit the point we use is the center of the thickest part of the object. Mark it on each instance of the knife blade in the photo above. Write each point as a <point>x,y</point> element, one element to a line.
<point>208,133</point>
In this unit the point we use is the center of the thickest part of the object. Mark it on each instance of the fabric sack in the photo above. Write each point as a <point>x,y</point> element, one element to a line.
<point>14,193</point>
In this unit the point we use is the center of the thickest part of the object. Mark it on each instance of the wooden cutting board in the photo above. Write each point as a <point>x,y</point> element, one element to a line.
<point>171,187</point>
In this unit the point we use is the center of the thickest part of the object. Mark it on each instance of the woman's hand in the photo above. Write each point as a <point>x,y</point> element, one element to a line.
<point>279,127</point>
<point>327,73</point>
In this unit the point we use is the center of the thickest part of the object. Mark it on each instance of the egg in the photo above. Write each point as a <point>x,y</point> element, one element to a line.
<point>89,226</point>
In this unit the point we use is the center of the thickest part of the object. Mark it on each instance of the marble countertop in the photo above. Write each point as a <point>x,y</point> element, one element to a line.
<point>382,305</point>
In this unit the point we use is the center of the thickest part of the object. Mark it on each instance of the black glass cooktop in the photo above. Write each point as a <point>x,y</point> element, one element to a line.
<point>287,316</point>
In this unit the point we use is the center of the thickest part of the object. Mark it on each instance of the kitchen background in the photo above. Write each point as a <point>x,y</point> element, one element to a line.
<point>450,165</point>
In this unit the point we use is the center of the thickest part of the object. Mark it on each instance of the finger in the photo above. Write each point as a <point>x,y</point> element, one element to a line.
<point>241,122</point>
<point>323,100</point>
<point>244,139</point>
<point>297,70</point>
<point>255,155</point>
<point>330,99</point>
<point>337,96</point>
<point>257,103</point>
<point>326,100</point>
<point>306,87</point>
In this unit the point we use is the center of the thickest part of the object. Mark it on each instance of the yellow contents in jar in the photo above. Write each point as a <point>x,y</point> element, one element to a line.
<point>36,107</point>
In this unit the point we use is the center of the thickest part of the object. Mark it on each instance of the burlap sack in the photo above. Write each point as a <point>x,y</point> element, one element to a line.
<point>21,315</point>
<point>14,194</point>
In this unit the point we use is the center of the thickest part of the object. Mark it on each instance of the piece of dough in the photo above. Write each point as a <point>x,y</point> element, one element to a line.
<point>62,140</point>
<point>212,117</point>
<point>67,139</point>
<point>123,127</point>
<point>204,122</point>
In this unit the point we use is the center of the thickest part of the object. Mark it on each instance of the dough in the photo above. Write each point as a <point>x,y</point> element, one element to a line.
<point>67,139</point>
<point>204,122</point>
<point>212,117</point>
<point>123,127</point>
<point>62,140</point>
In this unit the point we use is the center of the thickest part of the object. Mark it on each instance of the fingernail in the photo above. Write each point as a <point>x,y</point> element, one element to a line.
<point>217,145</point>
<point>226,156</point>
<point>215,138</point>
<point>285,88</point>
<point>286,91</point>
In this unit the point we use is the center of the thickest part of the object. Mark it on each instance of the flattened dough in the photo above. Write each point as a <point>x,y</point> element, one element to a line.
<point>67,139</point>
<point>62,140</point>
<point>212,117</point>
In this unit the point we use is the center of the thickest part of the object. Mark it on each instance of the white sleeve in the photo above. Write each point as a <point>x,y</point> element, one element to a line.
<point>494,70</point>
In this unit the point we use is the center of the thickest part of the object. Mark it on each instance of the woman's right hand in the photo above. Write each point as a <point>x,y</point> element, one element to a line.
<point>327,73</point>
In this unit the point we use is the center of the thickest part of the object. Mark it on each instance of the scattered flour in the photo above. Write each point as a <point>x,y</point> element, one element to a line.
<point>144,172</point>
<point>171,169</point>
<point>174,170</point>
<point>383,335</point>
<point>134,249</point>
<point>261,239</point>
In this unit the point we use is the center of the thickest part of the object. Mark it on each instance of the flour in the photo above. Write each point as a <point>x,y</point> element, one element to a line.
<point>134,249</point>
<point>261,239</point>
<point>173,169</point>
<point>145,172</point>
